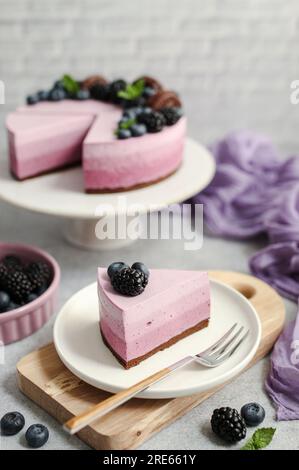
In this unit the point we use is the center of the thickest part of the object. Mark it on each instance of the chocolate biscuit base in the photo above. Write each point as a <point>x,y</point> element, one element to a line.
<point>134,362</point>
<point>130,188</point>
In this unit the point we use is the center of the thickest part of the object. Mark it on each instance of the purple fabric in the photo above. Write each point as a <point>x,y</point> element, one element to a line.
<point>282,383</point>
<point>255,192</point>
<point>278,265</point>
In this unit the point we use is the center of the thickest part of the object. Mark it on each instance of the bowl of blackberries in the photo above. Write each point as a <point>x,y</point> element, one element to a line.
<point>29,281</point>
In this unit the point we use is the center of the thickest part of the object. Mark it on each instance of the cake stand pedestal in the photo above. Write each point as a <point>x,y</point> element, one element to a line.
<point>62,194</point>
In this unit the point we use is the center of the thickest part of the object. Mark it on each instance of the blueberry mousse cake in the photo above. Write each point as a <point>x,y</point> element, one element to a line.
<point>125,135</point>
<point>22,282</point>
<point>144,311</point>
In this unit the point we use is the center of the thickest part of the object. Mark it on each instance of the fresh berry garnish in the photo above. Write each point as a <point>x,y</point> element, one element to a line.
<point>114,88</point>
<point>228,424</point>
<point>39,274</point>
<point>32,99</point>
<point>253,414</point>
<point>129,282</point>
<point>37,435</point>
<point>144,269</point>
<point>137,102</point>
<point>57,94</point>
<point>99,92</point>
<point>149,91</point>
<point>12,423</point>
<point>43,95</point>
<point>4,301</point>
<point>82,95</point>
<point>58,85</point>
<point>115,267</point>
<point>171,115</point>
<point>154,121</point>
<point>138,130</point>
<point>124,133</point>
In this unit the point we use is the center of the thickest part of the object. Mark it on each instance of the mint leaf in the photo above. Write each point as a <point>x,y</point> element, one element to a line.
<point>260,439</point>
<point>132,91</point>
<point>70,84</point>
<point>127,124</point>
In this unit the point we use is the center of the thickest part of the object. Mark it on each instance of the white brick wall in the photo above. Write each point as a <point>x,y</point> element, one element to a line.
<point>232,60</point>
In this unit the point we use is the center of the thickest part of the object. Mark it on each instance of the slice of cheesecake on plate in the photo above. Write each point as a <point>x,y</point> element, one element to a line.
<point>171,305</point>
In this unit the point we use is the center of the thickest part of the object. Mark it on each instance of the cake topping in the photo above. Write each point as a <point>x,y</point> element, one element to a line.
<point>150,82</point>
<point>171,115</point>
<point>144,96</point>
<point>154,121</point>
<point>165,99</point>
<point>114,267</point>
<point>128,281</point>
<point>93,80</point>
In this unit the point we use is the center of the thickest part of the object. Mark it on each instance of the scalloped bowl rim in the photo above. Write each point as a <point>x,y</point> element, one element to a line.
<point>32,250</point>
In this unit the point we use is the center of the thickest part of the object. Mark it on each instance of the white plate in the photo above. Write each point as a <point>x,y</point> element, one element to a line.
<point>62,193</point>
<point>80,347</point>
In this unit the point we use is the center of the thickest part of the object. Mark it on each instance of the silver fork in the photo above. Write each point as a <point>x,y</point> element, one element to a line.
<point>213,356</point>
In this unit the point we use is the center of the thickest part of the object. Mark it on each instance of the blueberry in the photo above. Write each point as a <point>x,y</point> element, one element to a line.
<point>82,95</point>
<point>12,306</point>
<point>149,91</point>
<point>4,301</point>
<point>37,435</point>
<point>253,414</point>
<point>43,95</point>
<point>147,110</point>
<point>129,114</point>
<point>115,267</point>
<point>57,94</point>
<point>12,423</point>
<point>31,297</point>
<point>138,130</point>
<point>58,85</point>
<point>32,99</point>
<point>141,267</point>
<point>124,134</point>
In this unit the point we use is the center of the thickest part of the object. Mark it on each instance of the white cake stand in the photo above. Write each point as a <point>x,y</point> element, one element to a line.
<point>62,194</point>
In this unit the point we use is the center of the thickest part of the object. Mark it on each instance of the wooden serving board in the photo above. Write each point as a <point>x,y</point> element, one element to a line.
<point>44,379</point>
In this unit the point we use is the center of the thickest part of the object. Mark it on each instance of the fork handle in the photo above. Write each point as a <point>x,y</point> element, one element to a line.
<point>76,423</point>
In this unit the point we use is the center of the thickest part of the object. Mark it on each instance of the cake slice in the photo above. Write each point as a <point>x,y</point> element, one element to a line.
<point>111,164</point>
<point>40,143</point>
<point>173,305</point>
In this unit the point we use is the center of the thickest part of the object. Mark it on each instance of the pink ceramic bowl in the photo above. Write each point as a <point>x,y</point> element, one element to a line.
<point>24,321</point>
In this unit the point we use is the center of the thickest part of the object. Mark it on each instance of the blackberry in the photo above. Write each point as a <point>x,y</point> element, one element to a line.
<point>129,282</point>
<point>171,115</point>
<point>99,92</point>
<point>12,261</point>
<point>153,121</point>
<point>114,88</point>
<point>16,283</point>
<point>228,424</point>
<point>39,274</point>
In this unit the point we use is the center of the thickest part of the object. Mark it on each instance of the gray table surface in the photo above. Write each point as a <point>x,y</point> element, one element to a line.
<point>78,270</point>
